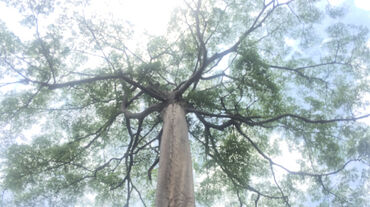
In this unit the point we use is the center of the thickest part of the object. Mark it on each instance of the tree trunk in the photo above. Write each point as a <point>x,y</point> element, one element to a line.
<point>175,177</point>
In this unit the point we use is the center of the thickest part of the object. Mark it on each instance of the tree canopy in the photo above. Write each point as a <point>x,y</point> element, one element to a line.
<point>88,95</point>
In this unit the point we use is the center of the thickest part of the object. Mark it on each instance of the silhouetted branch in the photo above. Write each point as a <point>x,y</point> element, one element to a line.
<point>278,186</point>
<point>153,108</point>
<point>234,179</point>
<point>138,192</point>
<point>156,161</point>
<point>300,173</point>
<point>307,120</point>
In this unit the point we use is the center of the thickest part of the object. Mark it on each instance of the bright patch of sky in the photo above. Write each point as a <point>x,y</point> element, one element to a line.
<point>145,15</point>
<point>336,2</point>
<point>11,17</point>
<point>363,4</point>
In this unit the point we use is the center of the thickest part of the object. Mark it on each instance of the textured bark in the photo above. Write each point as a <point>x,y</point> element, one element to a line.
<point>175,177</point>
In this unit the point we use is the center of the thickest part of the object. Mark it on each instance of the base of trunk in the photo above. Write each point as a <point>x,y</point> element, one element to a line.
<point>175,186</point>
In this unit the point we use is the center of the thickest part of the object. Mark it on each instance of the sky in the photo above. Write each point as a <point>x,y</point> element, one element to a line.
<point>151,16</point>
<point>146,15</point>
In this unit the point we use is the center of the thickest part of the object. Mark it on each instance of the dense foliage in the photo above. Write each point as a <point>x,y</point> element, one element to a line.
<point>81,101</point>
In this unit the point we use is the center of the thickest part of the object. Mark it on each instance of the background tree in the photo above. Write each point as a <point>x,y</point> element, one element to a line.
<point>95,100</point>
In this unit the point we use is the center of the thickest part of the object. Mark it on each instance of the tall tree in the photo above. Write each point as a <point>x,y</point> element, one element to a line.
<point>243,79</point>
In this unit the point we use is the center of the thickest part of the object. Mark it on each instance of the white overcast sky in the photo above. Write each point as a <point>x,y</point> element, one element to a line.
<point>152,16</point>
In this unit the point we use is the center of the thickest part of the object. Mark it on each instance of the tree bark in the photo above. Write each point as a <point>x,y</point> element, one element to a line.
<point>175,177</point>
